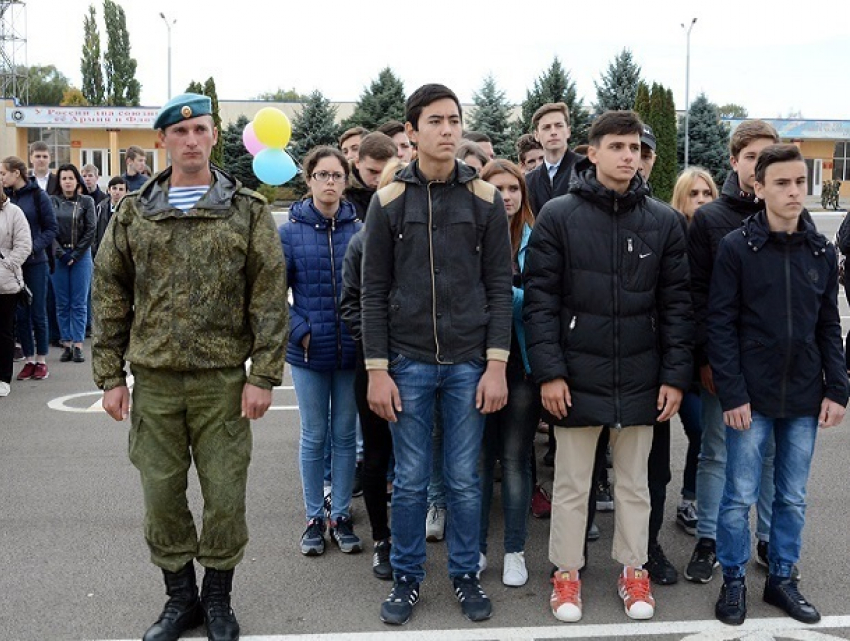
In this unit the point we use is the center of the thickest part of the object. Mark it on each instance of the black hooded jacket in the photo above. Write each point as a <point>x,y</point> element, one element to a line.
<point>607,305</point>
<point>774,330</point>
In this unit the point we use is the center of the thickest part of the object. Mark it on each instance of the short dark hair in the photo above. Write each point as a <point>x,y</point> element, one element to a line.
<point>773,154</point>
<point>424,96</point>
<point>350,133</point>
<point>524,144</point>
<point>81,185</point>
<point>391,128</point>
<point>324,151</point>
<point>39,145</point>
<point>548,108</point>
<point>116,180</point>
<point>133,152</point>
<point>377,145</point>
<point>477,136</point>
<point>747,132</point>
<point>617,123</point>
<point>470,148</point>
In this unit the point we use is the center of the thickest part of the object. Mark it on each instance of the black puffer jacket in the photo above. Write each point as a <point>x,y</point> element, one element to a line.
<point>773,325</point>
<point>607,306</point>
<point>711,223</point>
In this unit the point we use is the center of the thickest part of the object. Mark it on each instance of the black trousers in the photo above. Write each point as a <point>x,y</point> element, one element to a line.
<point>8,305</point>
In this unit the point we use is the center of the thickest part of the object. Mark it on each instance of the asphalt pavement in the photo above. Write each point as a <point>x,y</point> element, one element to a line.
<point>75,565</point>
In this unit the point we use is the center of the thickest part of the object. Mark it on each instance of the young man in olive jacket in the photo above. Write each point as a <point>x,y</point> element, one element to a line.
<point>436,319</point>
<point>609,336</point>
<point>774,345</point>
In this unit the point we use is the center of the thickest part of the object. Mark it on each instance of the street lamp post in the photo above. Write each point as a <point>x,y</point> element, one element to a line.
<point>168,24</point>
<point>688,89</point>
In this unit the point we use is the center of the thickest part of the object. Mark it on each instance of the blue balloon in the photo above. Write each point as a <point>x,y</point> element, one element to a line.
<point>274,166</point>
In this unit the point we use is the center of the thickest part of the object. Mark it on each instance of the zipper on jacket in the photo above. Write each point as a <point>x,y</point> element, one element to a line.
<point>615,285</point>
<point>433,277</point>
<point>790,325</point>
<point>337,318</point>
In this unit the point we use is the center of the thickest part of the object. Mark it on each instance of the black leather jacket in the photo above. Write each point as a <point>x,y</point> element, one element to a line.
<point>76,219</point>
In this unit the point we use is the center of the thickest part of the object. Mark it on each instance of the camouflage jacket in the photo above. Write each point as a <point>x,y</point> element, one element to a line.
<point>181,291</point>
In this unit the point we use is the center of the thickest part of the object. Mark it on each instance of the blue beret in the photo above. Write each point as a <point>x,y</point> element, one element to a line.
<point>182,107</point>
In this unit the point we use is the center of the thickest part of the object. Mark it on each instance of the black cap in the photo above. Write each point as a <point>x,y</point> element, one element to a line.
<point>648,137</point>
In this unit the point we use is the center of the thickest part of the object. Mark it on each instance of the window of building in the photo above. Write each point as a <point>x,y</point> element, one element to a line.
<point>59,141</point>
<point>841,161</point>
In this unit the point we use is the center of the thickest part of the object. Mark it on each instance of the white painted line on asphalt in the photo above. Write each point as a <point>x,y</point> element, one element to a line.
<point>710,630</point>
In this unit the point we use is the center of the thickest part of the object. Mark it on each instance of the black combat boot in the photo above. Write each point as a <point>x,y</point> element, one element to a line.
<point>182,611</point>
<point>215,600</point>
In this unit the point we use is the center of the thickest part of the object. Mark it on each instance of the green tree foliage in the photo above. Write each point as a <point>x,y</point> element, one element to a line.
<point>554,85</point>
<point>122,88</point>
<point>237,161</point>
<point>619,84</point>
<point>195,87</point>
<point>642,100</point>
<point>492,117</point>
<point>90,63</point>
<point>208,89</point>
<point>47,85</point>
<point>383,100</point>
<point>709,140</point>
<point>282,95</point>
<point>731,110</point>
<point>73,97</point>
<point>314,125</point>
<point>662,119</point>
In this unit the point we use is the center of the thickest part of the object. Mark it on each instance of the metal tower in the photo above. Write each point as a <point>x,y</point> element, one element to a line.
<point>14,82</point>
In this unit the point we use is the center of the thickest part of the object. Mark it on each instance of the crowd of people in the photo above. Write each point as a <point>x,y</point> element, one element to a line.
<point>446,305</point>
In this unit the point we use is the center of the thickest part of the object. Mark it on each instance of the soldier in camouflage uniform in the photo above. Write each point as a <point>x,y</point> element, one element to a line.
<point>189,284</point>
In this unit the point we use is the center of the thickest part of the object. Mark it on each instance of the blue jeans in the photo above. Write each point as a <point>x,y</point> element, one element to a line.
<point>690,412</point>
<point>32,320</point>
<point>463,425</point>
<point>711,473</point>
<point>509,436</point>
<point>71,288</point>
<point>328,411</point>
<point>795,446</point>
<point>437,486</point>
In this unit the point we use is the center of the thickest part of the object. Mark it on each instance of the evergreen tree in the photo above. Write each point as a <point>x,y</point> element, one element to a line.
<point>314,125</point>
<point>619,84</point>
<point>492,117</point>
<point>90,64</point>
<point>237,161</point>
<point>383,100</point>
<point>195,87</point>
<point>122,88</point>
<point>642,106</point>
<point>662,118</point>
<point>708,140</point>
<point>555,86</point>
<point>217,155</point>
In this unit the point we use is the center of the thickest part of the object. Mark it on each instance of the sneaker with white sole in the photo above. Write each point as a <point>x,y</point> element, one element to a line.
<point>635,591</point>
<point>686,516</point>
<point>566,596</point>
<point>514,572</point>
<point>5,388</point>
<point>435,524</point>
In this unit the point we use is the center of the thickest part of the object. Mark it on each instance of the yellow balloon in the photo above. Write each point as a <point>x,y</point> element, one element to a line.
<point>272,128</point>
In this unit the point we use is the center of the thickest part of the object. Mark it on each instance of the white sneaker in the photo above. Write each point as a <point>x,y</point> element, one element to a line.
<point>514,572</point>
<point>5,388</point>
<point>435,524</point>
<point>482,563</point>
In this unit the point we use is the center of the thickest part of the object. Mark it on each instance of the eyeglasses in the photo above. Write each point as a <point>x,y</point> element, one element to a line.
<point>324,176</point>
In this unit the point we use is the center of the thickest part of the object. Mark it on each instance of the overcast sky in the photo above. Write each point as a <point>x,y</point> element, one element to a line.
<point>772,58</point>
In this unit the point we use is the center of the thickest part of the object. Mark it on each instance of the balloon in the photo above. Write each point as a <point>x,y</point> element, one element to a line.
<point>274,166</point>
<point>249,139</point>
<point>272,127</point>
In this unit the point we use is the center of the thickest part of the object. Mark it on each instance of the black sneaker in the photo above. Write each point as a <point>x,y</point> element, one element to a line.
<point>661,571</point>
<point>357,488</point>
<point>342,533</point>
<point>593,532</point>
<point>731,606</point>
<point>381,566</point>
<point>686,517</point>
<point>474,603</point>
<point>78,355</point>
<point>604,497</point>
<point>700,569</point>
<point>398,606</point>
<point>313,539</point>
<point>762,548</point>
<point>18,356</point>
<point>67,355</point>
<point>784,594</point>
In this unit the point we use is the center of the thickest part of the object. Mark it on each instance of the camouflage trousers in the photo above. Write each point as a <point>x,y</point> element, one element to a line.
<point>178,417</point>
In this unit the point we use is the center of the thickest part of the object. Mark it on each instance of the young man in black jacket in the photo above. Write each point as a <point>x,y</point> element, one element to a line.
<point>436,319</point>
<point>550,179</point>
<point>774,345</point>
<point>373,153</point>
<point>609,336</point>
<point>711,223</point>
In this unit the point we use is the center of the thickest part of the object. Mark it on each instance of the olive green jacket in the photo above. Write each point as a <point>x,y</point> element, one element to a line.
<point>180,291</point>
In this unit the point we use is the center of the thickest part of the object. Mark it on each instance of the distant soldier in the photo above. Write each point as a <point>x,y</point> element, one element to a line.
<point>189,284</point>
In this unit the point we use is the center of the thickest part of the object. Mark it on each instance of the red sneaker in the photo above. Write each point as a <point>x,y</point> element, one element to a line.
<point>40,372</point>
<point>27,372</point>
<point>541,503</point>
<point>566,596</point>
<point>633,587</point>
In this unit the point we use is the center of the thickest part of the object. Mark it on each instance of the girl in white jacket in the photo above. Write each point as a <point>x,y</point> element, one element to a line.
<point>15,247</point>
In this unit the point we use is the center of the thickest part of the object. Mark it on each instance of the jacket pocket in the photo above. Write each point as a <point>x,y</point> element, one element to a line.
<point>638,264</point>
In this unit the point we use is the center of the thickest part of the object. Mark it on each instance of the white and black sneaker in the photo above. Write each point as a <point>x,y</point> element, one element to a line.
<point>381,566</point>
<point>474,603</point>
<point>398,606</point>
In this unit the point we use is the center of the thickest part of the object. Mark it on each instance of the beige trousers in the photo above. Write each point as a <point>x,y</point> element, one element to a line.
<point>574,458</point>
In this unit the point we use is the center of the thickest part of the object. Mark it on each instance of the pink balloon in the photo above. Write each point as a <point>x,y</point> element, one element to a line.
<point>249,139</point>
